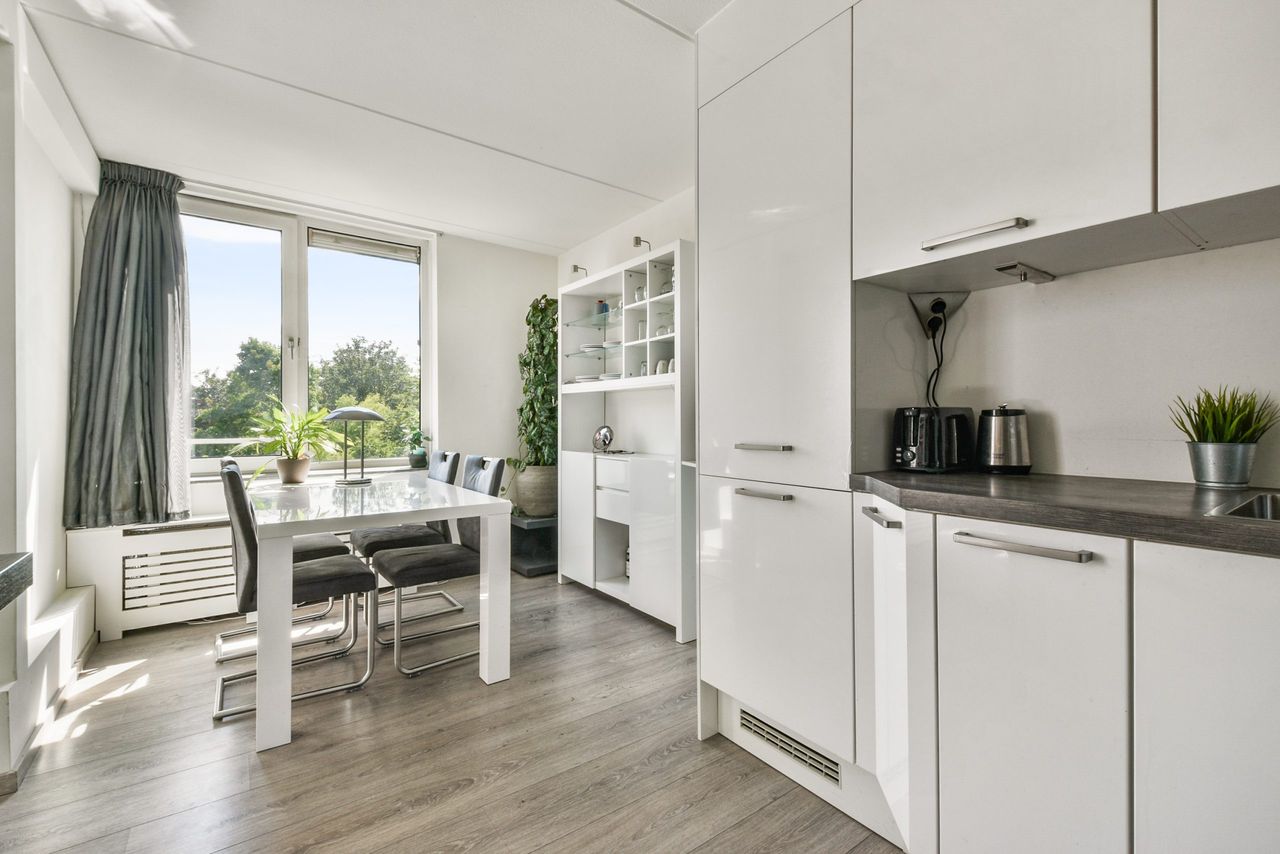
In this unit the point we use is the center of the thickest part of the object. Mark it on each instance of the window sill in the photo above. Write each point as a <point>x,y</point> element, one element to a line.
<point>269,474</point>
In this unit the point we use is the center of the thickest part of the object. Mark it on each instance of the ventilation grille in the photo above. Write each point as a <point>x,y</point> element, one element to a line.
<point>177,575</point>
<point>798,751</point>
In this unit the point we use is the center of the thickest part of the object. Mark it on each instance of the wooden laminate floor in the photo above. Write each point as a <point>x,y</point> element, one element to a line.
<point>590,746</point>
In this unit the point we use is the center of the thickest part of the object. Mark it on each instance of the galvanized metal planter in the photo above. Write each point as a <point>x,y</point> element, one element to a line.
<point>1222,465</point>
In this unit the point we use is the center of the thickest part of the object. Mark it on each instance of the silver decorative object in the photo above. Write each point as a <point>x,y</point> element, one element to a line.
<point>603,439</point>
<point>346,415</point>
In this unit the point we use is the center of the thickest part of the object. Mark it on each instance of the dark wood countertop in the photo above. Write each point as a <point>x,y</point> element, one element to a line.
<point>1137,509</point>
<point>15,576</point>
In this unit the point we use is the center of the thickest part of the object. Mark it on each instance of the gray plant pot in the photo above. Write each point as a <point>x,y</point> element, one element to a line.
<point>535,490</point>
<point>293,471</point>
<point>1222,465</point>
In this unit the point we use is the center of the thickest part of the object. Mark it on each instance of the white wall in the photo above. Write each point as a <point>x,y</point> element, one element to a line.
<point>666,222</point>
<point>482,294</point>
<point>1097,357</point>
<point>43,348</point>
<point>44,156</point>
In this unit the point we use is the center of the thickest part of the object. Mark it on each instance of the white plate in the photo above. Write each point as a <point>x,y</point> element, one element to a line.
<point>611,376</point>
<point>590,378</point>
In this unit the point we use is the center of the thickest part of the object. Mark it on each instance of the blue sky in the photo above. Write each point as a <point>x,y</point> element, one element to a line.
<point>234,277</point>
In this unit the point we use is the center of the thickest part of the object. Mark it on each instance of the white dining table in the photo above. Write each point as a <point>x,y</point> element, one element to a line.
<point>394,498</point>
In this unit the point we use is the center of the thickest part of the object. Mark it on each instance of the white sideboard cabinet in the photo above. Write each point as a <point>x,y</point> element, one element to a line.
<point>628,360</point>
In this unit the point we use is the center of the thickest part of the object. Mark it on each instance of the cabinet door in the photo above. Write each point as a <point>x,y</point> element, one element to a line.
<point>966,115</point>
<point>776,602</point>
<point>1033,690</point>
<point>1206,687</point>
<point>774,295</point>
<point>1218,110</point>
<point>655,565</point>
<point>577,484</point>
<point>880,645</point>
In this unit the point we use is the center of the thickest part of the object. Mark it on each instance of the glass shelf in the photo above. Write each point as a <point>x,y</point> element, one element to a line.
<point>597,321</point>
<point>595,354</point>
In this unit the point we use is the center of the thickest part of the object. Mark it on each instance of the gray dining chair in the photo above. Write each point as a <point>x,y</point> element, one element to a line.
<point>443,467</point>
<point>305,547</point>
<point>337,576</point>
<point>409,567</point>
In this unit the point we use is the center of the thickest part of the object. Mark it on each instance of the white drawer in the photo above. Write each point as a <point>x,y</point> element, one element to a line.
<point>613,505</point>
<point>612,474</point>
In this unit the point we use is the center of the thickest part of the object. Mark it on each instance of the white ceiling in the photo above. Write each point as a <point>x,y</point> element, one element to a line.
<point>534,123</point>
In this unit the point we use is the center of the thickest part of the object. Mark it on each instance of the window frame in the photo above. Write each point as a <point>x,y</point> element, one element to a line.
<point>294,328</point>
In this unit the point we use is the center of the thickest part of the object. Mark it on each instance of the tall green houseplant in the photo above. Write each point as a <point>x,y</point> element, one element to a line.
<point>534,489</point>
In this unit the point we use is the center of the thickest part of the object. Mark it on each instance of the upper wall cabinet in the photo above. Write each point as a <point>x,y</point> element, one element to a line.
<point>992,122</point>
<point>1219,116</point>
<point>774,297</point>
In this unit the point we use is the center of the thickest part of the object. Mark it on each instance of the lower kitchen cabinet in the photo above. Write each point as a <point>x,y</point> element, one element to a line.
<point>1033,689</point>
<point>1206,686</point>
<point>776,605</point>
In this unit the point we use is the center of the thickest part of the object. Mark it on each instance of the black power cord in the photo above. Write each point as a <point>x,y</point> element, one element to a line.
<point>938,340</point>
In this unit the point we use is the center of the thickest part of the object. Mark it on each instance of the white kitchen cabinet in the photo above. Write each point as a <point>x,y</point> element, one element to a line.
<point>776,630</point>
<point>1219,114</point>
<point>970,115</point>
<point>1206,689</point>
<point>880,645</point>
<point>774,295</point>
<point>576,553</point>
<point>1033,689</point>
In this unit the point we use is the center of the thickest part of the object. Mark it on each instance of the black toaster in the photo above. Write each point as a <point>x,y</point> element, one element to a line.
<point>933,438</point>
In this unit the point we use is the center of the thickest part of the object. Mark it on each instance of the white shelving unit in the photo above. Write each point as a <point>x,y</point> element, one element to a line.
<point>627,360</point>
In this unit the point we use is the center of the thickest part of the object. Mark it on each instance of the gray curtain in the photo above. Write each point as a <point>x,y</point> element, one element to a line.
<point>127,452</point>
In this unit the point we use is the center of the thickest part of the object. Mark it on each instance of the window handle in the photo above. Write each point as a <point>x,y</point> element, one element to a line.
<point>293,343</point>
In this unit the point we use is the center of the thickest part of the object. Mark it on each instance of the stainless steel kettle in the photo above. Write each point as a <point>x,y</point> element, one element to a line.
<point>1003,444</point>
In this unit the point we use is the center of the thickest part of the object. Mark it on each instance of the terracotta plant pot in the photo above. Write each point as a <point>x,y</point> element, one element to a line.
<point>535,491</point>
<point>293,471</point>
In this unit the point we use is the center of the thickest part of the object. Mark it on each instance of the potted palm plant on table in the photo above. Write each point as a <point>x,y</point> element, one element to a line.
<point>295,436</point>
<point>1223,429</point>
<point>533,490</point>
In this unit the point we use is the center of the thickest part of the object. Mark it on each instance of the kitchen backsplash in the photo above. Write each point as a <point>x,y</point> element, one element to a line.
<point>1097,357</point>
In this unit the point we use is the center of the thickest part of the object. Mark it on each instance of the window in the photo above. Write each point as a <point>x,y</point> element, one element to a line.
<point>233,275</point>
<point>317,316</point>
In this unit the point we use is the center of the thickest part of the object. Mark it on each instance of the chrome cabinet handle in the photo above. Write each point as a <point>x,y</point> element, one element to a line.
<point>754,493</point>
<point>1002,225</point>
<point>968,539</point>
<point>874,515</point>
<point>756,446</point>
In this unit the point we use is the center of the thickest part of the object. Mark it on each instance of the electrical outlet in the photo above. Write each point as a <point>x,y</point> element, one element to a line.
<point>923,304</point>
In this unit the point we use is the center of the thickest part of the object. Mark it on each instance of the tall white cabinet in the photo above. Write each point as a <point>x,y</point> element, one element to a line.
<point>775,328</point>
<point>775,426</point>
<point>627,361</point>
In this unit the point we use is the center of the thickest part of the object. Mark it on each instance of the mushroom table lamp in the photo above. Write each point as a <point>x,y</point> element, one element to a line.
<point>346,415</point>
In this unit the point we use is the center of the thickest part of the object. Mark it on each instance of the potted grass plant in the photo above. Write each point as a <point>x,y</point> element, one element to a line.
<point>294,436</point>
<point>533,490</point>
<point>1222,430</point>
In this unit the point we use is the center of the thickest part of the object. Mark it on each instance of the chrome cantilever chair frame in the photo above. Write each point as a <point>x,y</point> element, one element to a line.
<point>221,655</point>
<point>371,614</point>
<point>484,474</point>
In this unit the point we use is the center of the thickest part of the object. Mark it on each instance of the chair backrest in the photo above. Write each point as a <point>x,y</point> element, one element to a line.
<point>482,474</point>
<point>443,466</point>
<point>244,538</point>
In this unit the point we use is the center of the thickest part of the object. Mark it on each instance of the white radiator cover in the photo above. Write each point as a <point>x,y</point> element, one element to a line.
<point>151,575</point>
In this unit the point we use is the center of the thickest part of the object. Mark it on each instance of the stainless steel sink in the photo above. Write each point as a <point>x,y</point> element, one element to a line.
<point>1263,506</point>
